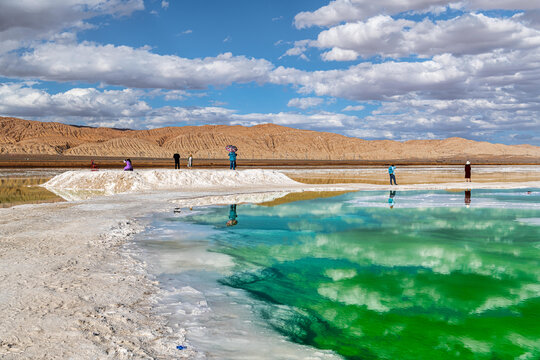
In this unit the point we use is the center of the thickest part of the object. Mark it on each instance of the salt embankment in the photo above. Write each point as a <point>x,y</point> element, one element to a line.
<point>84,184</point>
<point>116,182</point>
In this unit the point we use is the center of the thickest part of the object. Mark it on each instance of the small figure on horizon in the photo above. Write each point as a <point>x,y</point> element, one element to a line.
<point>392,173</point>
<point>176,161</point>
<point>468,197</point>
<point>232,216</point>
<point>93,166</point>
<point>129,166</point>
<point>232,159</point>
<point>391,201</point>
<point>468,171</point>
<point>190,161</point>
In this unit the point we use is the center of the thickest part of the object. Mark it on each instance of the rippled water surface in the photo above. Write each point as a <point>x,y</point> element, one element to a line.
<point>369,275</point>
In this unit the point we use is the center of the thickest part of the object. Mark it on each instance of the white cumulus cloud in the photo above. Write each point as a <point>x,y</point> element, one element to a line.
<point>468,34</point>
<point>444,76</point>
<point>304,103</point>
<point>19,99</point>
<point>354,108</point>
<point>338,54</point>
<point>25,21</point>
<point>127,66</point>
<point>339,11</point>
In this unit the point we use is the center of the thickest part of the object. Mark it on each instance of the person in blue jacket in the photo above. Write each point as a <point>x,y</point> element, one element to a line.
<point>232,159</point>
<point>392,173</point>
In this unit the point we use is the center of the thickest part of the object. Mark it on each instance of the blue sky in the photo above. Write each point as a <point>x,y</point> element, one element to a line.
<point>430,69</point>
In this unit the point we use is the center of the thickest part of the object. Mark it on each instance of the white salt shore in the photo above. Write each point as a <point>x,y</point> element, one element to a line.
<point>72,289</point>
<point>76,185</point>
<point>79,185</point>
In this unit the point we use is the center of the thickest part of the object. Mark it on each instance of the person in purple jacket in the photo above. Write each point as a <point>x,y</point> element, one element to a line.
<point>129,166</point>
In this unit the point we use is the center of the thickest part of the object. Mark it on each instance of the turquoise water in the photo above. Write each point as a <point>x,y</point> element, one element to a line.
<point>376,275</point>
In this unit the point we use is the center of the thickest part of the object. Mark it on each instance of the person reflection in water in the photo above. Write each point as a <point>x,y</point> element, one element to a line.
<point>467,197</point>
<point>391,199</point>
<point>232,216</point>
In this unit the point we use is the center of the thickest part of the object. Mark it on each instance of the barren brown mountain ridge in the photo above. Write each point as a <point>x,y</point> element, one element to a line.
<point>268,141</point>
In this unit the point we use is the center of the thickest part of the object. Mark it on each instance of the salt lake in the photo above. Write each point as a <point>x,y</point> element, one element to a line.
<point>362,275</point>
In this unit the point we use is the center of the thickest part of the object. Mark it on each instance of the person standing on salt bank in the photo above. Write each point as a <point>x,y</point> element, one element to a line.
<point>392,173</point>
<point>176,161</point>
<point>190,161</point>
<point>468,171</point>
<point>232,159</point>
<point>232,155</point>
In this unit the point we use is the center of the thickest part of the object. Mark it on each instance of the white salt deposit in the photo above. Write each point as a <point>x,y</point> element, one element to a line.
<point>117,182</point>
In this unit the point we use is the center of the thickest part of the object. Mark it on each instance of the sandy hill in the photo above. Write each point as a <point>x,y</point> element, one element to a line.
<point>268,141</point>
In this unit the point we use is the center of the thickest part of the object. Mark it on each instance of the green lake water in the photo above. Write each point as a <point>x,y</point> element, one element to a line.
<point>376,275</point>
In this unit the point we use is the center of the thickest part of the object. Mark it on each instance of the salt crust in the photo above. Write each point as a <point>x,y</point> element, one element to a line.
<point>114,182</point>
<point>72,290</point>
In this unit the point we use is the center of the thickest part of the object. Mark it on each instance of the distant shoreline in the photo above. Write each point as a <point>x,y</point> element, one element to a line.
<point>62,161</point>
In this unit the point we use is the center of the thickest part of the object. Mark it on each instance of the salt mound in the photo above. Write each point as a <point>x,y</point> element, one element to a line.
<point>114,182</point>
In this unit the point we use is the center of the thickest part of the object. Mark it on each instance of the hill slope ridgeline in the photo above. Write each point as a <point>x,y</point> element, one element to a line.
<point>268,141</point>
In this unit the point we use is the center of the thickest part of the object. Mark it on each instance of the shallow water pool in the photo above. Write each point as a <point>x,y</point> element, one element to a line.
<point>366,275</point>
<point>21,186</point>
